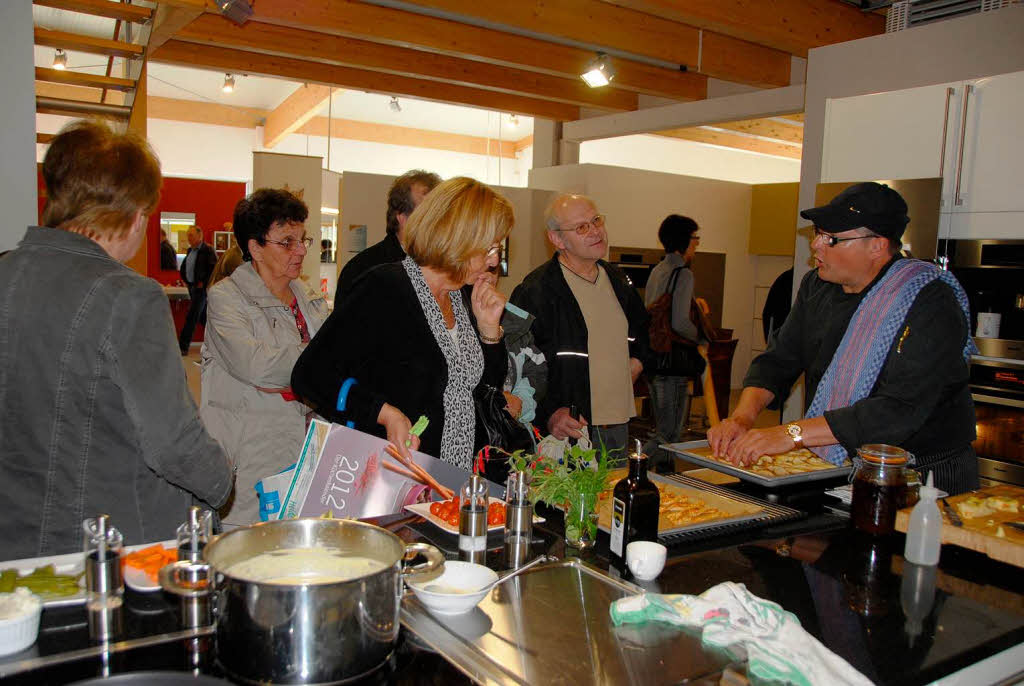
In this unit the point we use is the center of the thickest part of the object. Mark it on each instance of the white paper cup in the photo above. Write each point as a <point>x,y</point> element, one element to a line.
<point>645,559</point>
<point>988,325</point>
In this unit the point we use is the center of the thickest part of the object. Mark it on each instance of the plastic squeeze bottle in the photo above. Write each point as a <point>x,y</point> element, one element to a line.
<point>924,533</point>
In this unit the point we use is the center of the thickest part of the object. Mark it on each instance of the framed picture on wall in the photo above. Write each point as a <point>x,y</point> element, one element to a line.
<point>222,240</point>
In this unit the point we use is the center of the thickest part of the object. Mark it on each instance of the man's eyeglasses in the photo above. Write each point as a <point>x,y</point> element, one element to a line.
<point>291,244</point>
<point>832,241</point>
<point>595,223</point>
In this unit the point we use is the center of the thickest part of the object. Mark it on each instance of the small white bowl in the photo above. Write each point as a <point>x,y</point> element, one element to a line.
<point>455,591</point>
<point>18,633</point>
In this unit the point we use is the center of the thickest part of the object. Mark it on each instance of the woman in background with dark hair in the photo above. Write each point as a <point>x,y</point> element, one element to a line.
<point>670,395</point>
<point>260,319</point>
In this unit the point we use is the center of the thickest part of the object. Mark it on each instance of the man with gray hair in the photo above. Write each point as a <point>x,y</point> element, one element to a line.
<point>591,325</point>
<point>406,192</point>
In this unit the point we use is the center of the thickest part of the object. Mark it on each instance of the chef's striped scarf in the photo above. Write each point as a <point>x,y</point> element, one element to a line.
<point>869,337</point>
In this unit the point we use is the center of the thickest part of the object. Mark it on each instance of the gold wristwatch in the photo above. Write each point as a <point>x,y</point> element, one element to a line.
<point>794,431</point>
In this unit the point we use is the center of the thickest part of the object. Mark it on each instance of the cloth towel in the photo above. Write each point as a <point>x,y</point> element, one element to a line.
<point>879,318</point>
<point>778,649</point>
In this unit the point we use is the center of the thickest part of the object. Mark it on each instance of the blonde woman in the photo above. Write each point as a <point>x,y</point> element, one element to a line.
<point>408,339</point>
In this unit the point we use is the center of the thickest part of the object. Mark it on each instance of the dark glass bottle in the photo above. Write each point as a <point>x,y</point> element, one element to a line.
<point>635,505</point>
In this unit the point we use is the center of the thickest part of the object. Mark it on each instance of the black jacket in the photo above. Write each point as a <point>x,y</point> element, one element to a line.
<point>387,251</point>
<point>205,261</point>
<point>378,335</point>
<point>561,333</point>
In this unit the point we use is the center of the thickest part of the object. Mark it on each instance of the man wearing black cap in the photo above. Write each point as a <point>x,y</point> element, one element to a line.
<point>883,342</point>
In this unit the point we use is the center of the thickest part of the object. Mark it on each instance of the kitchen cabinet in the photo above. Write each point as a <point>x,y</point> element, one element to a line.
<point>967,132</point>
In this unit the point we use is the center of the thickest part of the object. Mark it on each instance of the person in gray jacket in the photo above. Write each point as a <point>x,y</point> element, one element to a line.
<point>259,320</point>
<point>96,415</point>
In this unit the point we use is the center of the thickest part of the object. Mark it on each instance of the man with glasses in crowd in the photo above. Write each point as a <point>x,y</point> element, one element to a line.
<point>883,342</point>
<point>590,324</point>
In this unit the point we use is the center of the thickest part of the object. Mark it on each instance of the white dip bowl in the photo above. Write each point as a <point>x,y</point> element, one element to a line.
<point>457,590</point>
<point>19,630</point>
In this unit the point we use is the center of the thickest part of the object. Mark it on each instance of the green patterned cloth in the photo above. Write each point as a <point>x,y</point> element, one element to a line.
<point>778,649</point>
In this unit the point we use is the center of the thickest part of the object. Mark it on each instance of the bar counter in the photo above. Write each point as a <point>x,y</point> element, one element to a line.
<point>959,623</point>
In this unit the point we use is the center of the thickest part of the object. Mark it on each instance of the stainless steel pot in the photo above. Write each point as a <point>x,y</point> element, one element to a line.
<point>303,633</point>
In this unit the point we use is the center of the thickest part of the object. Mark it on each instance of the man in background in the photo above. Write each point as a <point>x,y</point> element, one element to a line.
<point>405,194</point>
<point>195,271</point>
<point>590,324</point>
<point>168,258</point>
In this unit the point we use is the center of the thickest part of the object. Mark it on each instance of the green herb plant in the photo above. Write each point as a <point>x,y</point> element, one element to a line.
<point>571,484</point>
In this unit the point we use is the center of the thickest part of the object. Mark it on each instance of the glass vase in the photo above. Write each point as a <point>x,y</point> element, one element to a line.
<point>581,521</point>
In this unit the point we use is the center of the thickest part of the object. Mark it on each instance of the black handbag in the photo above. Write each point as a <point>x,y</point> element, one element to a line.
<point>497,428</point>
<point>681,360</point>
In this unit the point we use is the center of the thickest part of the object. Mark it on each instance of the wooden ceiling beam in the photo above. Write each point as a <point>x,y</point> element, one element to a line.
<point>101,8</point>
<point>767,128</point>
<point>793,26</point>
<point>46,89</point>
<point>585,21</point>
<point>77,78</point>
<point>428,34</point>
<point>242,62</point>
<point>730,140</point>
<point>169,21</point>
<point>90,44</point>
<point>292,114</point>
<point>323,47</point>
<point>602,24</point>
<point>45,138</point>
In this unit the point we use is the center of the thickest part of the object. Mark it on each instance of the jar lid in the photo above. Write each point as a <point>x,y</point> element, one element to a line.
<point>881,453</point>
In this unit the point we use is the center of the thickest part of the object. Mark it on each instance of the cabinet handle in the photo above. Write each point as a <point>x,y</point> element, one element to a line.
<point>945,126</point>
<point>957,200</point>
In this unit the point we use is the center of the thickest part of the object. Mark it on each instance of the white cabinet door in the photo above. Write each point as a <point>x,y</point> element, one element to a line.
<point>893,135</point>
<point>991,170</point>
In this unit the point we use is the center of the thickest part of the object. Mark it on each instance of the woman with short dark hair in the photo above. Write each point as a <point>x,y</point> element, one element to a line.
<point>96,414</point>
<point>259,320</point>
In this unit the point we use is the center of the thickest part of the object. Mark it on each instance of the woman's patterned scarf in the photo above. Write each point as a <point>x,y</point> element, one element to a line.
<point>869,337</point>
<point>465,369</point>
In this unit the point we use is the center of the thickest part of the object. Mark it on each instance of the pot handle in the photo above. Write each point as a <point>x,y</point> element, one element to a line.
<point>186,579</point>
<point>435,559</point>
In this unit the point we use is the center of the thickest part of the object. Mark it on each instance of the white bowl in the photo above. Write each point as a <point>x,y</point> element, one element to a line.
<point>455,591</point>
<point>18,633</point>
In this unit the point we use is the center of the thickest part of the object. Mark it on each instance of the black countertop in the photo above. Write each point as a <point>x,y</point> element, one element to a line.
<point>895,622</point>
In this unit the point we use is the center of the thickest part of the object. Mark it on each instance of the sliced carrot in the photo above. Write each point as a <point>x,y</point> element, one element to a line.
<point>150,560</point>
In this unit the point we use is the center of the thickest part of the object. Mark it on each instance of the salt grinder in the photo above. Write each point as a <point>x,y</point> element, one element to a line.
<point>473,520</point>
<point>193,535</point>
<point>104,584</point>
<point>518,518</point>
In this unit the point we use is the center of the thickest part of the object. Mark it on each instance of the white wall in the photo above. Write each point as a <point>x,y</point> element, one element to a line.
<point>675,156</point>
<point>224,152</point>
<point>17,173</point>
<point>636,201</point>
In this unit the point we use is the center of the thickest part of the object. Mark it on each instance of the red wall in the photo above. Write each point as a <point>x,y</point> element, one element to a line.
<point>213,203</point>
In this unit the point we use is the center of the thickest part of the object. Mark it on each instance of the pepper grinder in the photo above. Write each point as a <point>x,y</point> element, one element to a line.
<point>193,535</point>
<point>473,520</point>
<point>518,519</point>
<point>104,584</point>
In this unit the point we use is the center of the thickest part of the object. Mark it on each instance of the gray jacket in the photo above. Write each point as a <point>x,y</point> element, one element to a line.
<point>252,342</point>
<point>96,414</point>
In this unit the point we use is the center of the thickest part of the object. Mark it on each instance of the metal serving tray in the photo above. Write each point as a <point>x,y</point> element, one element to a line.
<point>685,449</point>
<point>551,625</point>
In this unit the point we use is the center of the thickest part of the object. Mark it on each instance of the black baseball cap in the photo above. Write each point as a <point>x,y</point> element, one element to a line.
<point>871,205</point>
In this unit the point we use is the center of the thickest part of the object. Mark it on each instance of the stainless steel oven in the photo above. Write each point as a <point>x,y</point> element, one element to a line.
<point>997,387</point>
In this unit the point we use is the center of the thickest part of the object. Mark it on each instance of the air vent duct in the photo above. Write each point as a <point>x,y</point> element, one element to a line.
<point>907,13</point>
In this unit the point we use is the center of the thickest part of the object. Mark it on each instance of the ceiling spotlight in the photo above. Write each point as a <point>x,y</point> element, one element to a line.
<point>229,84</point>
<point>599,72</point>
<point>60,60</point>
<point>238,11</point>
<point>395,107</point>
<point>513,121</point>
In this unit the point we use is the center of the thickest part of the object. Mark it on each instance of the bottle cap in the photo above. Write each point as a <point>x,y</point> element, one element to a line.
<point>928,491</point>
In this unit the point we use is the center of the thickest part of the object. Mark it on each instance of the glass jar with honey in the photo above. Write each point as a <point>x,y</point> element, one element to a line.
<point>882,485</point>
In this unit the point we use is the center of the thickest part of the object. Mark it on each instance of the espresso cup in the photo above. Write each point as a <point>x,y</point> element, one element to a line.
<point>645,559</point>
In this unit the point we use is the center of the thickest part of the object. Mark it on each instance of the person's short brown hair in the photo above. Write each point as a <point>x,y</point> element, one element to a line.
<point>400,194</point>
<point>460,218</point>
<point>98,179</point>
